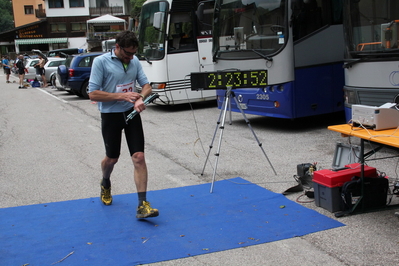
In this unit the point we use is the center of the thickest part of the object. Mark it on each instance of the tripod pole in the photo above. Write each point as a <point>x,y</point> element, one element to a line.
<point>214,134</point>
<point>230,92</point>
<point>253,132</point>
<point>227,101</point>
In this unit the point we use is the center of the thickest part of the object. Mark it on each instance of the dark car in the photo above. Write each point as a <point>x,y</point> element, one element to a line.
<point>74,75</point>
<point>67,51</point>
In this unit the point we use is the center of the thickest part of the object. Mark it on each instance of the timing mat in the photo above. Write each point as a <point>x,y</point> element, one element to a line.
<point>192,222</point>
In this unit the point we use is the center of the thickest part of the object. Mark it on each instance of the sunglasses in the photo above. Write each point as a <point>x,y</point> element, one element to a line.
<point>126,52</point>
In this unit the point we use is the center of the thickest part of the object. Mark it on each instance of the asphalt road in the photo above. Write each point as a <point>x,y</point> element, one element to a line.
<point>51,148</point>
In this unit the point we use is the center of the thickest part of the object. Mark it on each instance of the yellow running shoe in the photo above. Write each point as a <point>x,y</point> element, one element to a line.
<point>106,196</point>
<point>145,211</point>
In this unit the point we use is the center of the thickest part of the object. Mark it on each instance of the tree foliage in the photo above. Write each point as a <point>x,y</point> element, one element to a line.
<point>6,16</point>
<point>136,7</point>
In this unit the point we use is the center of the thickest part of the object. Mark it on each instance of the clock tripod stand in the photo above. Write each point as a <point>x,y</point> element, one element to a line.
<point>221,121</point>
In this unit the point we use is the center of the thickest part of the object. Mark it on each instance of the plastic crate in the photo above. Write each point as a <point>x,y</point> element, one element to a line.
<point>327,184</point>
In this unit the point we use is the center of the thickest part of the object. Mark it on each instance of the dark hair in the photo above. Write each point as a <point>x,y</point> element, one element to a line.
<point>127,39</point>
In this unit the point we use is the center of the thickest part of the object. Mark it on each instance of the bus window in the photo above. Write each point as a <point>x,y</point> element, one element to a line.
<point>205,19</point>
<point>311,15</point>
<point>181,35</point>
<point>152,30</point>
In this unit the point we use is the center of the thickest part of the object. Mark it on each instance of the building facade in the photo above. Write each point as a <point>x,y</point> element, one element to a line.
<point>27,11</point>
<point>82,24</point>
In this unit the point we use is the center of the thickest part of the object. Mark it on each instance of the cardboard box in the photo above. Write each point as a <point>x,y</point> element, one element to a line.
<point>328,183</point>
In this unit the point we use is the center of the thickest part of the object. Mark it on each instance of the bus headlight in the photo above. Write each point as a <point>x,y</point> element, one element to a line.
<point>158,86</point>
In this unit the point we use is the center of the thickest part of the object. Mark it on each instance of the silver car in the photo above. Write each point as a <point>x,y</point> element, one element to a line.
<point>30,63</point>
<point>50,69</point>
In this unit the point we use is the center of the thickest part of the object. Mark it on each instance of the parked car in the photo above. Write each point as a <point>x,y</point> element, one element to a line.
<point>50,69</point>
<point>74,75</point>
<point>68,51</point>
<point>30,65</point>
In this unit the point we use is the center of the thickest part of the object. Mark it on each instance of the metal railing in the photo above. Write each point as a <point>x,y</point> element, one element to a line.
<point>40,13</point>
<point>100,36</point>
<point>112,10</point>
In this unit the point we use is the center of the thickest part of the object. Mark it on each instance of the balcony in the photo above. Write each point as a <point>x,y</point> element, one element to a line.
<point>112,10</point>
<point>101,36</point>
<point>40,13</point>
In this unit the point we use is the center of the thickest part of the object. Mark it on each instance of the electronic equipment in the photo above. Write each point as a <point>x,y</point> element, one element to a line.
<point>223,79</point>
<point>384,117</point>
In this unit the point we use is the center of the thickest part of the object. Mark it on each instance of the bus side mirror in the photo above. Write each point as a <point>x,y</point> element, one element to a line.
<point>158,20</point>
<point>200,12</point>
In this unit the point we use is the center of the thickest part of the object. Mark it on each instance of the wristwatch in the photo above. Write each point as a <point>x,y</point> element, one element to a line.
<point>142,96</point>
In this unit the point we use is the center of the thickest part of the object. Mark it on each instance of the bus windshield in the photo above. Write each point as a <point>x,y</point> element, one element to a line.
<point>371,28</point>
<point>152,30</point>
<point>249,29</point>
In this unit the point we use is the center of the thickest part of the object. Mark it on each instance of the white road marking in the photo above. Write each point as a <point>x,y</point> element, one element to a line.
<point>62,100</point>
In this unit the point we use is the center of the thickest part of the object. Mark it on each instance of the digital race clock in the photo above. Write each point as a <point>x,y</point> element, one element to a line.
<point>224,79</point>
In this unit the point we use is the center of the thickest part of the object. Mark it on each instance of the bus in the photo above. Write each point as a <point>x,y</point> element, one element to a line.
<point>298,45</point>
<point>108,45</point>
<point>172,44</point>
<point>372,53</point>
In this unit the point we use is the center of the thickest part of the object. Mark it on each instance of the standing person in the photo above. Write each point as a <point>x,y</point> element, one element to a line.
<point>6,67</point>
<point>21,71</point>
<point>40,69</point>
<point>112,85</point>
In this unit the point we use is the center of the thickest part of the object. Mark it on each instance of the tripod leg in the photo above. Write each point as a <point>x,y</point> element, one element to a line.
<point>230,116</point>
<point>214,134</point>
<point>227,99</point>
<point>253,132</point>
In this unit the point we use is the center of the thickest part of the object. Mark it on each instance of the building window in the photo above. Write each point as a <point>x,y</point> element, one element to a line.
<point>56,3</point>
<point>58,27</point>
<point>60,45</point>
<point>102,3</point>
<point>78,26</point>
<point>76,3</point>
<point>28,10</point>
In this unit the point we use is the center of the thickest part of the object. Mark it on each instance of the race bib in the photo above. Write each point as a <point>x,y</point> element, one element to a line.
<point>129,87</point>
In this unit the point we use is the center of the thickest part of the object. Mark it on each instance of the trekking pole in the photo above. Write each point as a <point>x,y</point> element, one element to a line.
<point>147,101</point>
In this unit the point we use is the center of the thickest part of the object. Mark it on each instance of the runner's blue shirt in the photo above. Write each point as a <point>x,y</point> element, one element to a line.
<point>108,74</point>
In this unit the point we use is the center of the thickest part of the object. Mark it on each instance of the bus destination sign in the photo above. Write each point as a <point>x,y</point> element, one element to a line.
<point>223,79</point>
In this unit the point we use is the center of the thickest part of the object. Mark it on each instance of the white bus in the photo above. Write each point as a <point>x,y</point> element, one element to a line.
<point>372,56</point>
<point>283,58</point>
<point>172,45</point>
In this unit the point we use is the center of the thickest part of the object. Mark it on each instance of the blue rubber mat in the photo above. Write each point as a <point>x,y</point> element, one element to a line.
<point>192,222</point>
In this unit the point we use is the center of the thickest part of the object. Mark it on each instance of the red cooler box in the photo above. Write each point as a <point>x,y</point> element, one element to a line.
<point>327,184</point>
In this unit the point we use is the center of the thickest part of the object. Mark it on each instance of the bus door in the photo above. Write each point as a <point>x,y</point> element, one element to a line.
<point>182,54</point>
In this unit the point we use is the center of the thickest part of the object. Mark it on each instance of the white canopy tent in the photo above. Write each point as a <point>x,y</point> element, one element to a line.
<point>106,20</point>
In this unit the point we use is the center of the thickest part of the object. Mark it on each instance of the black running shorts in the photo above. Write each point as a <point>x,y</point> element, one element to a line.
<point>112,125</point>
<point>40,71</point>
